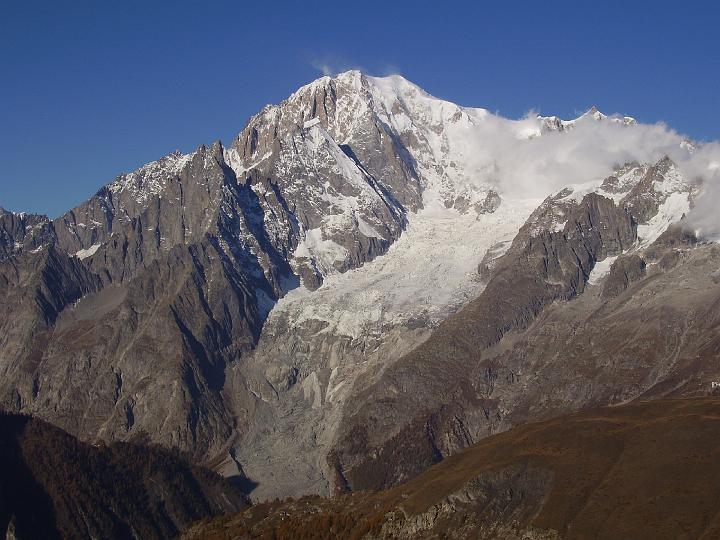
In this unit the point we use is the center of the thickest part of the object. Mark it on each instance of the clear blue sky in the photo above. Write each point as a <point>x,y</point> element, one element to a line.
<point>92,89</point>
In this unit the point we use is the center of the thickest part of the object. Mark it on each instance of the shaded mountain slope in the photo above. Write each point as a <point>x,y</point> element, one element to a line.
<point>54,486</point>
<point>643,470</point>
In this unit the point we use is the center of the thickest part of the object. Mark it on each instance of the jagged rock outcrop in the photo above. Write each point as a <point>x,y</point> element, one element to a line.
<point>23,232</point>
<point>35,287</point>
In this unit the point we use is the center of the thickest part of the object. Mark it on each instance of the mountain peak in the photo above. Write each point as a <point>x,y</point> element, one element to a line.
<point>355,78</point>
<point>351,77</point>
<point>594,113</point>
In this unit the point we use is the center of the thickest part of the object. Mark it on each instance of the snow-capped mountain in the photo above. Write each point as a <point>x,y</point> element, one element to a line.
<point>345,275</point>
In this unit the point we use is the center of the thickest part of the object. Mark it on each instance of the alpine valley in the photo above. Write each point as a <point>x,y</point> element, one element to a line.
<point>367,281</point>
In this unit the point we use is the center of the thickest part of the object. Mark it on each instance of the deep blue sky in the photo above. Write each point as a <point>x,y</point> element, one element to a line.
<point>92,89</point>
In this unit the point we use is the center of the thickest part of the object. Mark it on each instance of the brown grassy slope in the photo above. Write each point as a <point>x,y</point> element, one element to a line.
<point>643,470</point>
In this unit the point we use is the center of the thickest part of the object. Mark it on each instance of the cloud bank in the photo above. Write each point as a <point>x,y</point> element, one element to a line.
<point>510,155</point>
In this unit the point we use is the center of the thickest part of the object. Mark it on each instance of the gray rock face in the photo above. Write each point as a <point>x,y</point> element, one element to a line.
<point>329,114</point>
<point>138,327</point>
<point>336,171</point>
<point>643,200</point>
<point>35,287</point>
<point>143,215</point>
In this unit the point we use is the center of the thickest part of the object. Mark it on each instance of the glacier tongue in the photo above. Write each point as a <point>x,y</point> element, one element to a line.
<point>427,273</point>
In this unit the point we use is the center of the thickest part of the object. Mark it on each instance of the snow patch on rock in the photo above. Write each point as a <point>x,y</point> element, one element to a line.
<point>675,206</point>
<point>600,270</point>
<point>89,252</point>
<point>325,253</point>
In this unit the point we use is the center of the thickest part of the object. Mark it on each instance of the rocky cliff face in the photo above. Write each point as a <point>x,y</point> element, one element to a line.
<point>23,232</point>
<point>359,274</point>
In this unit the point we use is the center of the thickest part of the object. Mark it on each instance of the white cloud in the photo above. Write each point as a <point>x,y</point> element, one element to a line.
<point>519,164</point>
<point>323,67</point>
<point>329,65</point>
<point>704,166</point>
<point>537,166</point>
